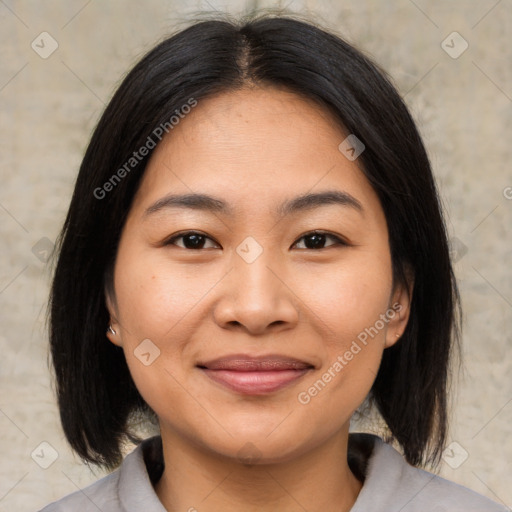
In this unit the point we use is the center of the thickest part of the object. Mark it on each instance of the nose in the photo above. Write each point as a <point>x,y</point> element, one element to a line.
<point>256,298</point>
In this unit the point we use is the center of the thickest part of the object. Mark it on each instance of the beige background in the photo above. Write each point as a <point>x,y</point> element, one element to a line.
<point>49,107</point>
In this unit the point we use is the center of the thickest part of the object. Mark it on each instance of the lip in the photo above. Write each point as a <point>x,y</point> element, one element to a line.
<point>252,375</point>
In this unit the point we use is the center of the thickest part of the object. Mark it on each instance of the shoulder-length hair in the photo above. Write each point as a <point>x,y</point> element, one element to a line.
<point>96,394</point>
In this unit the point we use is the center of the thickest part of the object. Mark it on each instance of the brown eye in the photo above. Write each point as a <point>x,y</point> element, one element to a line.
<point>191,240</point>
<point>317,239</point>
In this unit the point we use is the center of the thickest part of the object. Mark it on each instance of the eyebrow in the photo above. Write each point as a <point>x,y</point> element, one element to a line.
<point>304,202</point>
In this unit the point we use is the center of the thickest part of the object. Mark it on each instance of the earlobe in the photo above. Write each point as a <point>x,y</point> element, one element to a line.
<point>113,328</point>
<point>113,334</point>
<point>401,305</point>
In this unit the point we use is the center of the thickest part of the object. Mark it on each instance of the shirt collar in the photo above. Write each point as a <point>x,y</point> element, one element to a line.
<point>144,466</point>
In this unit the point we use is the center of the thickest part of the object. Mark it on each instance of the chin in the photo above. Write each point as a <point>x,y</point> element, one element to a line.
<point>259,446</point>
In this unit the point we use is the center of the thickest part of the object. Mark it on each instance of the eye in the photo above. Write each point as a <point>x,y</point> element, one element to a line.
<point>317,240</point>
<point>195,240</point>
<point>191,240</point>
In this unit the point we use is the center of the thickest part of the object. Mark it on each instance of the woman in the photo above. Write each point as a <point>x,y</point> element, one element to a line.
<point>254,249</point>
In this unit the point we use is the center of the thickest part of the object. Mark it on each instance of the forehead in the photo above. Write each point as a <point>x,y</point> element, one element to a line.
<point>255,148</point>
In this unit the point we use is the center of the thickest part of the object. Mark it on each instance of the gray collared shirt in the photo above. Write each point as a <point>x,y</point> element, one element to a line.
<point>390,485</point>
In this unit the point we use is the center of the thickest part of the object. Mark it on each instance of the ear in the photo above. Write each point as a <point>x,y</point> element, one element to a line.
<point>114,337</point>
<point>399,309</point>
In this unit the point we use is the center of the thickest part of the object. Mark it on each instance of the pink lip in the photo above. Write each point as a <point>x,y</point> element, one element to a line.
<point>255,375</point>
<point>254,383</point>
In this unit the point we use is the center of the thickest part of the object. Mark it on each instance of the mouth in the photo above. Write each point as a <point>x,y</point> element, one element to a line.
<point>250,375</point>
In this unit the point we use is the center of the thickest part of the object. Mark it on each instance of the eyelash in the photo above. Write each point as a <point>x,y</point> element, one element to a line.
<point>339,241</point>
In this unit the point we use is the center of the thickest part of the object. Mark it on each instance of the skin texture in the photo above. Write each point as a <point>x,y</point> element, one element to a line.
<point>254,149</point>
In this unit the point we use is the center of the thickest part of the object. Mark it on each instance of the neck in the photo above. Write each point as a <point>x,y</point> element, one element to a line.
<point>317,480</point>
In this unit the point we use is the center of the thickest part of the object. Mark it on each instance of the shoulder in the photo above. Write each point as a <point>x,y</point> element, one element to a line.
<point>128,488</point>
<point>396,485</point>
<point>96,496</point>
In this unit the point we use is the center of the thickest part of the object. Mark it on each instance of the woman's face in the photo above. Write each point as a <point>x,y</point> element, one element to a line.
<point>253,280</point>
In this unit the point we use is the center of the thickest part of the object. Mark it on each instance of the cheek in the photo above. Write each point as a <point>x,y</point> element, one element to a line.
<point>351,350</point>
<point>352,297</point>
<point>154,299</point>
<point>348,308</point>
<point>154,294</point>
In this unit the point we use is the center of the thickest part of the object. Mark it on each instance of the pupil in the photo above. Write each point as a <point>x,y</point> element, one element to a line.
<point>318,240</point>
<point>196,241</point>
